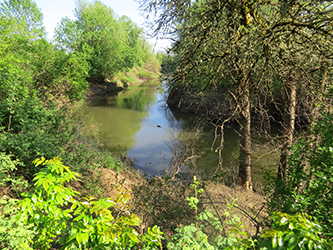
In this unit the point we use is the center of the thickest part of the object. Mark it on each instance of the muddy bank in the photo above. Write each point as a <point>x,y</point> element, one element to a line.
<point>171,208</point>
<point>212,106</point>
<point>219,106</point>
<point>107,87</point>
<point>104,88</point>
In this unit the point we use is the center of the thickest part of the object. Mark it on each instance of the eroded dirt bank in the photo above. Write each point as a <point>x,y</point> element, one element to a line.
<point>163,201</point>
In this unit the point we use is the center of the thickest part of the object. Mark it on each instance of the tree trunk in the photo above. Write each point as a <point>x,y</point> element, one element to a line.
<point>288,127</point>
<point>245,165</point>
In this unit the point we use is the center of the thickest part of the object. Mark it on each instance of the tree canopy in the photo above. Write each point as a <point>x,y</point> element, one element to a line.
<point>25,17</point>
<point>260,52</point>
<point>110,44</point>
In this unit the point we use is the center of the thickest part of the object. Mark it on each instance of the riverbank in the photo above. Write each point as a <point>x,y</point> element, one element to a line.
<point>220,105</point>
<point>159,201</point>
<point>123,80</point>
<point>211,105</point>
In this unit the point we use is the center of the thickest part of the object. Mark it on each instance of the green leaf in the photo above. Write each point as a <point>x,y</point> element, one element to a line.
<point>82,238</point>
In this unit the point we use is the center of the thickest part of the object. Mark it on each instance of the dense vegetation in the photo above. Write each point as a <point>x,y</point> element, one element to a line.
<point>260,61</point>
<point>42,85</point>
<point>41,110</point>
<point>110,45</point>
<point>41,80</point>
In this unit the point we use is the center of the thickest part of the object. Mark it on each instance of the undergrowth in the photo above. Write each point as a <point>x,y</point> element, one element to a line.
<point>287,231</point>
<point>51,216</point>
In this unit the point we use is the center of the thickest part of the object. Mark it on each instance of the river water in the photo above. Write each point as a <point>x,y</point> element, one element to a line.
<point>137,123</point>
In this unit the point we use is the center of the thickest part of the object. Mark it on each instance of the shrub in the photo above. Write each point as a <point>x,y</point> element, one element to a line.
<point>59,217</point>
<point>287,232</point>
<point>193,236</point>
<point>8,179</point>
<point>162,202</point>
<point>309,183</point>
<point>15,233</point>
<point>294,232</point>
<point>33,131</point>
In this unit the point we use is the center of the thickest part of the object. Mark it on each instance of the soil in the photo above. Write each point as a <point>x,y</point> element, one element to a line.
<point>248,206</point>
<point>97,89</point>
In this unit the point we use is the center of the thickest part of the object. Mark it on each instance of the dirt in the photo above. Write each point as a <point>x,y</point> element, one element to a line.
<point>248,206</point>
<point>97,89</point>
<point>110,179</point>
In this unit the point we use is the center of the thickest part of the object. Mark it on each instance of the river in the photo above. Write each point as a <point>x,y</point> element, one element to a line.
<point>137,123</point>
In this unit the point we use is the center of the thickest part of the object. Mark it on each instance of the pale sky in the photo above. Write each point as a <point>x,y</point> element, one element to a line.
<point>54,10</point>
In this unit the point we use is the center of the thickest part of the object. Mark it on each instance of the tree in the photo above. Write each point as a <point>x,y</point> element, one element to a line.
<point>36,80</point>
<point>301,52</point>
<point>27,18</point>
<point>308,183</point>
<point>216,45</point>
<point>110,45</point>
<point>244,45</point>
<point>134,48</point>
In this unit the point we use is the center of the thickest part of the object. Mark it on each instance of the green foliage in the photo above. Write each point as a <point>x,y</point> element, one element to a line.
<point>190,237</point>
<point>8,179</point>
<point>57,74</point>
<point>169,64</point>
<point>194,237</point>
<point>38,80</point>
<point>31,130</point>
<point>308,188</point>
<point>15,233</point>
<point>144,75</point>
<point>294,232</point>
<point>286,232</point>
<point>110,45</point>
<point>33,75</point>
<point>27,18</point>
<point>55,213</point>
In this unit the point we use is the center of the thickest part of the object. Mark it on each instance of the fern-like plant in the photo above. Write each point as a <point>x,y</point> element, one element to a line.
<point>60,218</point>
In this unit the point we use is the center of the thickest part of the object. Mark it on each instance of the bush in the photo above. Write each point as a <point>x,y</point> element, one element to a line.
<point>33,131</point>
<point>193,236</point>
<point>287,232</point>
<point>58,217</point>
<point>15,233</point>
<point>162,202</point>
<point>294,232</point>
<point>8,179</point>
<point>309,183</point>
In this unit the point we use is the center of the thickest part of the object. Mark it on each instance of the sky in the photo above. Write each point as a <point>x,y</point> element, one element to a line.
<point>54,10</point>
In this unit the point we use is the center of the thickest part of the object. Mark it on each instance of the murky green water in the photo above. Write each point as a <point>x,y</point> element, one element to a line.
<point>137,123</point>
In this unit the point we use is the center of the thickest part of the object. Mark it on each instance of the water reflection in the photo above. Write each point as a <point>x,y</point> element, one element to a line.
<point>118,128</point>
<point>121,116</point>
<point>137,123</point>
